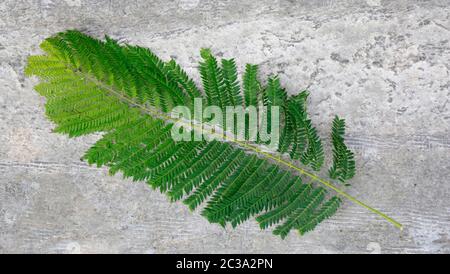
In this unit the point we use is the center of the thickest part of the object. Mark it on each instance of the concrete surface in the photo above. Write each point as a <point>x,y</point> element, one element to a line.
<point>383,65</point>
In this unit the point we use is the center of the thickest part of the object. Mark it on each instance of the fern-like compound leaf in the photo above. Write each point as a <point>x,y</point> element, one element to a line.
<point>121,90</point>
<point>343,167</point>
<point>251,85</point>
<point>230,77</point>
<point>213,81</point>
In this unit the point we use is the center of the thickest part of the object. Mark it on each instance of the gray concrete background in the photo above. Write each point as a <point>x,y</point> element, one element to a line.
<point>383,66</point>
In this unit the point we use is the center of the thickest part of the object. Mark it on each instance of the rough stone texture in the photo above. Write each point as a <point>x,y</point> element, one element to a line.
<point>383,65</point>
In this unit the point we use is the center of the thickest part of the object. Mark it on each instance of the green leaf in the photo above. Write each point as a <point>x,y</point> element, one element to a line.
<point>343,167</point>
<point>123,92</point>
